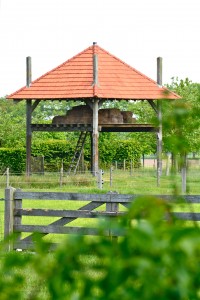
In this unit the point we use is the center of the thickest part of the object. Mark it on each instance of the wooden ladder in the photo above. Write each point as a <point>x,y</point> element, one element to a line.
<point>78,151</point>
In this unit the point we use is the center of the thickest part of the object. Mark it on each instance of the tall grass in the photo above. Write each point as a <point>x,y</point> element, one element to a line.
<point>137,181</point>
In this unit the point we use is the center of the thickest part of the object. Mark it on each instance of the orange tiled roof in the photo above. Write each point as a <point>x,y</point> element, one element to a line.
<point>74,80</point>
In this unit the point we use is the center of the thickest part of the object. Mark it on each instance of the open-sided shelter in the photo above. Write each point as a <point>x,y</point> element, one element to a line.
<point>92,76</point>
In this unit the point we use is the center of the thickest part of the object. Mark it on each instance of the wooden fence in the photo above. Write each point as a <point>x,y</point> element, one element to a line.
<point>14,211</point>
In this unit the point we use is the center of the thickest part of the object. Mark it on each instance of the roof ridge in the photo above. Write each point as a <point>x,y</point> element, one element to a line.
<point>52,70</point>
<point>138,72</point>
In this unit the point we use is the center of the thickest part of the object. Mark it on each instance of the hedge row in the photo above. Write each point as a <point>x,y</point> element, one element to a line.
<point>55,151</point>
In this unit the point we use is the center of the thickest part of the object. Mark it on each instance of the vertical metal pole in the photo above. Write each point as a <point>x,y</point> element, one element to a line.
<point>159,115</point>
<point>28,136</point>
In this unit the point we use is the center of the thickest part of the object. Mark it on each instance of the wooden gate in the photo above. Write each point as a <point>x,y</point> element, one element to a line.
<point>109,203</point>
<point>14,211</point>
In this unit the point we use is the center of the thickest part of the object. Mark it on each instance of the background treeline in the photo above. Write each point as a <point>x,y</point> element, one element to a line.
<point>59,152</point>
<point>180,119</point>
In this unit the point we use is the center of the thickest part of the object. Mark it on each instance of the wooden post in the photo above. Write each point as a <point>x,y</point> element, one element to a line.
<point>111,170</point>
<point>18,219</point>
<point>8,216</point>
<point>28,117</point>
<point>143,160</point>
<point>95,107</point>
<point>131,168</point>
<point>159,115</point>
<point>100,179</point>
<point>168,163</point>
<point>7,178</point>
<point>28,71</point>
<point>61,174</point>
<point>112,207</point>
<point>184,172</point>
<point>95,137</point>
<point>124,162</point>
<point>95,66</point>
<point>28,136</point>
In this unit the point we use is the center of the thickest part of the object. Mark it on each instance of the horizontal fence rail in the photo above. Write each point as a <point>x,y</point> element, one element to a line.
<point>109,204</point>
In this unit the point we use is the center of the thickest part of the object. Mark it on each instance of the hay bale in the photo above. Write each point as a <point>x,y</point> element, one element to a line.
<point>82,114</point>
<point>59,120</point>
<point>110,116</point>
<point>128,117</point>
<point>79,114</point>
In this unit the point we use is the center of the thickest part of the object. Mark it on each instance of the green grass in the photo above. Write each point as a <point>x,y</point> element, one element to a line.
<point>141,181</point>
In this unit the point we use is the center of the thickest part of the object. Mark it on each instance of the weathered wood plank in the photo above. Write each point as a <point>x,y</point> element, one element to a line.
<point>74,196</point>
<point>56,229</point>
<point>60,196</point>
<point>187,216</point>
<point>118,198</point>
<point>65,213</point>
<point>63,221</point>
<point>61,127</point>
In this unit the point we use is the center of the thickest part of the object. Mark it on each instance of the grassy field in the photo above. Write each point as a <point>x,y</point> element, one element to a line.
<point>141,181</point>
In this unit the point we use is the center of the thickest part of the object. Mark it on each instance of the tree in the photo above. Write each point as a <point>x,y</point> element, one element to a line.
<point>12,124</point>
<point>181,122</point>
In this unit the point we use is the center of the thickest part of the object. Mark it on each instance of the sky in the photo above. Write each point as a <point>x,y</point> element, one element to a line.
<point>137,32</point>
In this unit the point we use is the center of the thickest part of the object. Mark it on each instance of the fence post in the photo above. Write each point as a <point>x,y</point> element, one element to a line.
<point>167,163</point>
<point>7,178</point>
<point>100,179</point>
<point>124,165</point>
<point>9,216</point>
<point>131,168</point>
<point>61,174</point>
<point>111,169</point>
<point>184,173</point>
<point>112,207</point>
<point>17,204</point>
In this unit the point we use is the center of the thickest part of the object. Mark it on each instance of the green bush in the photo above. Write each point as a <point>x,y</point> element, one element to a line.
<point>129,150</point>
<point>14,159</point>
<point>155,259</point>
<point>54,151</point>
